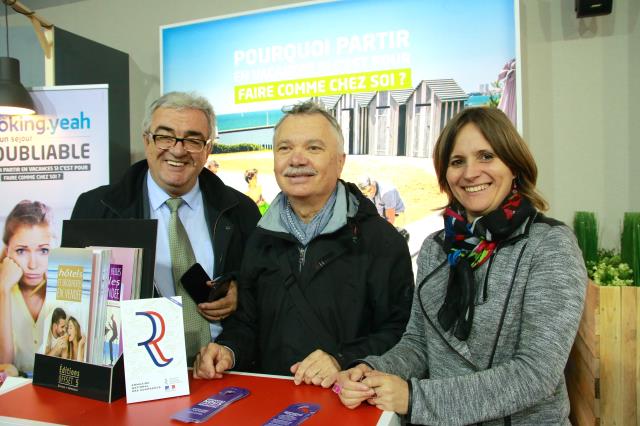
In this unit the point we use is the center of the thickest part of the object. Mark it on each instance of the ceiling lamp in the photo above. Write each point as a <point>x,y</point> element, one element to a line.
<point>14,98</point>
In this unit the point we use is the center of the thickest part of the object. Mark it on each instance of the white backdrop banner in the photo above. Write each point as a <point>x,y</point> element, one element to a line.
<point>55,156</point>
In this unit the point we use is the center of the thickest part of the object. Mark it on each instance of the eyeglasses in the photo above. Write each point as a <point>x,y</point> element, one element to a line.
<point>167,142</point>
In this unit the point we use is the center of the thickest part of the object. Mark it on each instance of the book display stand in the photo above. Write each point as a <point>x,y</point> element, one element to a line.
<point>100,382</point>
<point>104,383</point>
<point>117,233</point>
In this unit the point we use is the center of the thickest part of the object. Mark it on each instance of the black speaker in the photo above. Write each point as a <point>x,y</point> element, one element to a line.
<point>587,8</point>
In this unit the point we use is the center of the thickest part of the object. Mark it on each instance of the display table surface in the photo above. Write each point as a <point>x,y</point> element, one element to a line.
<point>269,396</point>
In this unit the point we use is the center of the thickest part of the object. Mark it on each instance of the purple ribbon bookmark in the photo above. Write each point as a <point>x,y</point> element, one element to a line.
<point>293,415</point>
<point>203,410</point>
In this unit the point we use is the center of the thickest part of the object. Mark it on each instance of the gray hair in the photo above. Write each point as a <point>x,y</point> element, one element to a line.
<point>311,107</point>
<point>180,101</point>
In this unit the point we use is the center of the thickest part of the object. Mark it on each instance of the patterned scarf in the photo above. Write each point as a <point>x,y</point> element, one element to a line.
<point>469,245</point>
<point>305,232</point>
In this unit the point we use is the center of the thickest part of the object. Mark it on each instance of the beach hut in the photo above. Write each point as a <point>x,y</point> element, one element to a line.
<point>351,112</point>
<point>328,102</point>
<point>401,97</point>
<point>386,122</point>
<point>432,104</point>
<point>382,120</point>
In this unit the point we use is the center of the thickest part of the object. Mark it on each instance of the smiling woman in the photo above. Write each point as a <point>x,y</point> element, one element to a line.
<point>499,296</point>
<point>477,178</point>
<point>27,238</point>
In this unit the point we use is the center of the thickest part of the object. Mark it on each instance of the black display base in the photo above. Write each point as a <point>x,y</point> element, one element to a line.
<point>99,382</point>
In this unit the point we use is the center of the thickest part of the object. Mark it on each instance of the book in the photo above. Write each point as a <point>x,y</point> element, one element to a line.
<point>97,313</point>
<point>120,233</point>
<point>155,360</point>
<point>67,304</point>
<point>123,282</point>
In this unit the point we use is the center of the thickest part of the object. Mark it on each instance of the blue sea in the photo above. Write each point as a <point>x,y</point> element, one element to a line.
<point>262,137</point>
<point>248,120</point>
<point>248,127</point>
<point>257,126</point>
<point>478,100</point>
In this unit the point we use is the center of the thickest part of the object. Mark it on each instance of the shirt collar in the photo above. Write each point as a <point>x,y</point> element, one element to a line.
<point>157,195</point>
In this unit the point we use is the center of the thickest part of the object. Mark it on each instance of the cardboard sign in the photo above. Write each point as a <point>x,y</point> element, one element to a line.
<point>155,364</point>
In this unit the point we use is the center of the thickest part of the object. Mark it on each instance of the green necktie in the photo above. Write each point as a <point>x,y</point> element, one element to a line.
<point>196,327</point>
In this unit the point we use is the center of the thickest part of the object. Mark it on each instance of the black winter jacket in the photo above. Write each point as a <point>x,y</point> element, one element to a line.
<point>231,215</point>
<point>357,281</point>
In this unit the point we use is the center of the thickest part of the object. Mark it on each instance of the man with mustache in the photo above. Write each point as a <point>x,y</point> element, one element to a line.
<point>178,131</point>
<point>325,280</point>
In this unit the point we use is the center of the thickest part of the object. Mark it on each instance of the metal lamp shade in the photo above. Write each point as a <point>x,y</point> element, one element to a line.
<point>14,98</point>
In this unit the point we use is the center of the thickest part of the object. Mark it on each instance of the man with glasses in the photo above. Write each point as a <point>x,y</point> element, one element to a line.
<point>177,136</point>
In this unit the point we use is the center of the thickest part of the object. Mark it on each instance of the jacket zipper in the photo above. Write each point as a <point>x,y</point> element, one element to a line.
<point>213,235</point>
<point>424,312</point>
<point>302,251</point>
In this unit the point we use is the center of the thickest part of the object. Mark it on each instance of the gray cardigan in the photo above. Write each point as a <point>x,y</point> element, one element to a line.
<point>537,280</point>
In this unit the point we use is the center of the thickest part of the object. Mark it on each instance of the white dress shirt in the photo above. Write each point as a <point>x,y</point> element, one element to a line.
<point>191,212</point>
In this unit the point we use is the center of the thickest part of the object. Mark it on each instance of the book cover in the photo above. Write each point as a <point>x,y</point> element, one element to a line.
<point>155,363</point>
<point>117,233</point>
<point>98,312</point>
<point>68,301</point>
<point>123,279</point>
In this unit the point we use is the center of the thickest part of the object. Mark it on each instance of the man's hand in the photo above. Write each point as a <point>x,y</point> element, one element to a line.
<point>212,361</point>
<point>390,215</point>
<point>58,346</point>
<point>221,308</point>
<point>318,368</point>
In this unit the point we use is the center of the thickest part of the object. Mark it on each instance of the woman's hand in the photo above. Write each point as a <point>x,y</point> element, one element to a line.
<point>10,273</point>
<point>221,308</point>
<point>350,388</point>
<point>391,392</point>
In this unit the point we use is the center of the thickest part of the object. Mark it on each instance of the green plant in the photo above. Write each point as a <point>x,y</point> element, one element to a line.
<point>630,243</point>
<point>586,230</point>
<point>494,98</point>
<point>609,270</point>
<point>240,147</point>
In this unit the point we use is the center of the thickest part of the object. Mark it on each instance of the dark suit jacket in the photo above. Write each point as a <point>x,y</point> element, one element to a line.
<point>231,215</point>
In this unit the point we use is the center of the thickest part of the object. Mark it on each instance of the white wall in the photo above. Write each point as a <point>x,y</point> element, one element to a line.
<point>581,108</point>
<point>581,89</point>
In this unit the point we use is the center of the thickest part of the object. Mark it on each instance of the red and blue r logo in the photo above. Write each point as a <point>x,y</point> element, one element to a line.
<point>157,324</point>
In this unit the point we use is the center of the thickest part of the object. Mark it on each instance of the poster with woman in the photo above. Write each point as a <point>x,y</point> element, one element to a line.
<point>46,161</point>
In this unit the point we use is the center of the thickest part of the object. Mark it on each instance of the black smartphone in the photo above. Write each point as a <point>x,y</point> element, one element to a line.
<point>195,282</point>
<point>220,286</point>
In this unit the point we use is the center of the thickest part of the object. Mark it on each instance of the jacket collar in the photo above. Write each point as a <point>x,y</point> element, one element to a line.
<point>126,197</point>
<point>350,205</point>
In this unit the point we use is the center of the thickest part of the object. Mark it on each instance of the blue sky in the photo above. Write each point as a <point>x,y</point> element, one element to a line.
<point>467,40</point>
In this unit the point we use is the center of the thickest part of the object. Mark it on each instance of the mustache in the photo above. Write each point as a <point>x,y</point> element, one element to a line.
<point>300,171</point>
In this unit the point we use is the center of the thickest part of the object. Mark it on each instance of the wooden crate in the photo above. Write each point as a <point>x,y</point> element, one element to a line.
<point>602,371</point>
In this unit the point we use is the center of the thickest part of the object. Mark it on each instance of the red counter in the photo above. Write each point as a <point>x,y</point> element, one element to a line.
<point>269,396</point>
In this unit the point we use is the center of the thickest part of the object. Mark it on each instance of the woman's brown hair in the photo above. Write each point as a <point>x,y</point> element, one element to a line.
<point>26,212</point>
<point>506,143</point>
